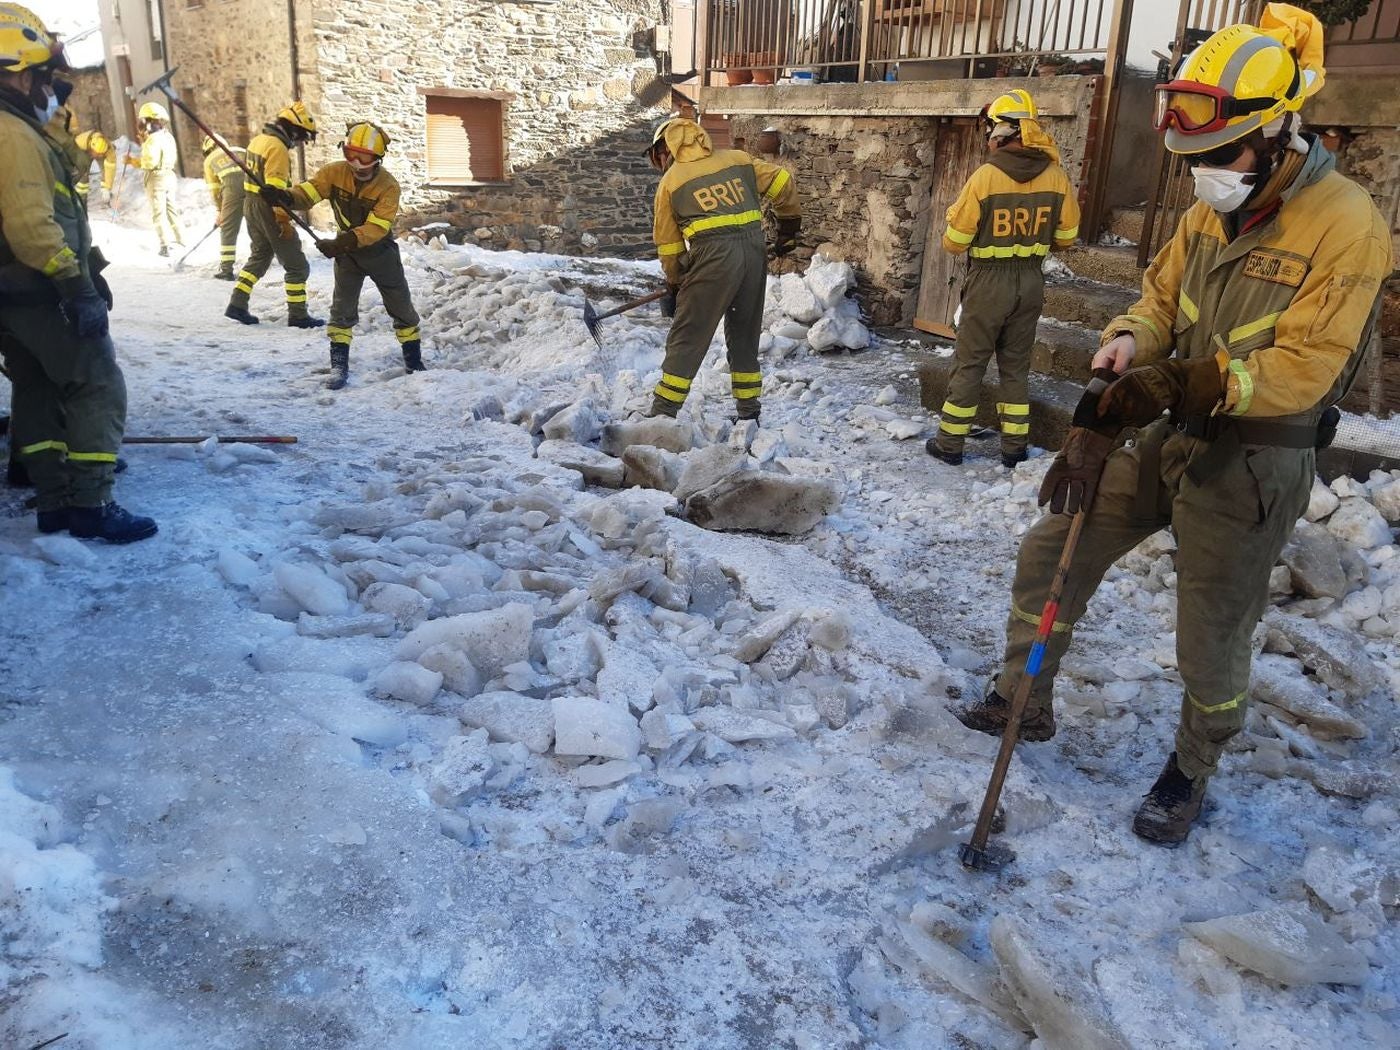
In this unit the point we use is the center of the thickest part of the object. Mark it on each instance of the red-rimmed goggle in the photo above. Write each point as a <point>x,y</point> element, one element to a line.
<point>1199,109</point>
<point>360,158</point>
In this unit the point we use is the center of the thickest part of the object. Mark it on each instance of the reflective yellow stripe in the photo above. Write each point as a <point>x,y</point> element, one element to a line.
<point>675,381</point>
<point>43,446</point>
<point>1011,251</point>
<point>1015,428</point>
<point>1059,627</point>
<point>1146,322</point>
<point>1211,709</point>
<point>1247,331</point>
<point>252,187</point>
<point>93,457</point>
<point>382,223</point>
<point>281,184</point>
<point>243,286</point>
<point>950,409</point>
<point>746,394</point>
<point>63,189</point>
<point>310,191</point>
<point>1067,235</point>
<point>776,186</point>
<point>746,377</point>
<point>672,248</point>
<point>63,258</point>
<point>1246,381</point>
<point>954,428</point>
<point>669,394</point>
<point>1005,408</point>
<point>296,298</point>
<point>1190,309</point>
<point>293,286</point>
<point>957,236</point>
<point>229,250</point>
<point>406,335</point>
<point>744,218</point>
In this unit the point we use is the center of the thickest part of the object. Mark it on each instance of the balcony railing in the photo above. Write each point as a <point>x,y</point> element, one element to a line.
<point>762,41</point>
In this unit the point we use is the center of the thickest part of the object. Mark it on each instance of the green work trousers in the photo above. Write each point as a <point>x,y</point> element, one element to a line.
<point>68,406</point>
<point>269,241</point>
<point>380,262</point>
<point>725,275</point>
<point>1001,304</point>
<point>160,192</point>
<point>1229,529</point>
<point>230,219</point>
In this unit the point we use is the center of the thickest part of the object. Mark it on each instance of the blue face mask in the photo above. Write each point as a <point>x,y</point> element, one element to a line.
<point>47,111</point>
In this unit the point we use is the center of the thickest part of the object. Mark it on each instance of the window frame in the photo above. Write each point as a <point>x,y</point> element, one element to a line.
<point>503,100</point>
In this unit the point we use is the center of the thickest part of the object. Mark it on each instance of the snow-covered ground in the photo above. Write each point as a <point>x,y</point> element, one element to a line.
<point>404,737</point>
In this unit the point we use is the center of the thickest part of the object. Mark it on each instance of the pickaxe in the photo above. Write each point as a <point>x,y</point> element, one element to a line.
<point>162,84</point>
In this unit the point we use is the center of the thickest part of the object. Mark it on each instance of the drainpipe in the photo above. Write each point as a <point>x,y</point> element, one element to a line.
<point>296,73</point>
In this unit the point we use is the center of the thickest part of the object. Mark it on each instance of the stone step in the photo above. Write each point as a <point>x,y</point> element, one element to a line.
<point>1115,266</point>
<point>1086,303</point>
<point>1052,400</point>
<point>1128,223</point>
<point>1064,351</point>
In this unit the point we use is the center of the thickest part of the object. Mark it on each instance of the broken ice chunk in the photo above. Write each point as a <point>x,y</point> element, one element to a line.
<point>407,681</point>
<point>512,717</point>
<point>462,771</point>
<point>1284,944</point>
<point>587,726</point>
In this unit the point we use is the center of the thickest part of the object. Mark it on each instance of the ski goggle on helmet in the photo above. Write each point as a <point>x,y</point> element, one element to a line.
<point>364,146</point>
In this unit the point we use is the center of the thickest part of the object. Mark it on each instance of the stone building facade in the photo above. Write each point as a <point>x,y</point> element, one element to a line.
<point>577,82</point>
<point>91,101</point>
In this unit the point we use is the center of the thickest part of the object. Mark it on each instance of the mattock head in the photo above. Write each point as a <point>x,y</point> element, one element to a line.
<point>992,859</point>
<point>160,83</point>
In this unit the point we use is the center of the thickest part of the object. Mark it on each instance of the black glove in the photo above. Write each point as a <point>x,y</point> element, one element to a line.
<point>668,301</point>
<point>343,242</point>
<point>83,306</point>
<point>788,228</point>
<point>278,197</point>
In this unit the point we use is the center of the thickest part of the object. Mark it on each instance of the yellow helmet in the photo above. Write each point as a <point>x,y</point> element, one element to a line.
<point>367,137</point>
<point>299,116</point>
<point>1241,79</point>
<point>25,42</point>
<point>1012,106</point>
<point>93,142</point>
<point>154,111</point>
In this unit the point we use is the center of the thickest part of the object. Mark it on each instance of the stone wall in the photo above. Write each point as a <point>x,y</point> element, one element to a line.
<point>91,101</point>
<point>583,102</point>
<point>219,46</point>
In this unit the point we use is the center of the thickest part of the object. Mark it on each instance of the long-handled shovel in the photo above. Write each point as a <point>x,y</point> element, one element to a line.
<point>181,261</point>
<point>196,439</point>
<point>976,854</point>
<point>591,316</point>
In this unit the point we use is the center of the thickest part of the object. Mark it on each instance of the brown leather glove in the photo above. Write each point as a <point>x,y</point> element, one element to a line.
<point>1185,387</point>
<point>1073,479</point>
<point>344,241</point>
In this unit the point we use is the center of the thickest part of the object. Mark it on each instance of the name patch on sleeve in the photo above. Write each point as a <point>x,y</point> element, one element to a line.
<point>1276,267</point>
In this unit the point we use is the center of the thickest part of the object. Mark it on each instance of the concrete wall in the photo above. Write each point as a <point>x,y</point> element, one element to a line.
<point>583,102</point>
<point>91,101</point>
<point>126,34</point>
<point>862,155</point>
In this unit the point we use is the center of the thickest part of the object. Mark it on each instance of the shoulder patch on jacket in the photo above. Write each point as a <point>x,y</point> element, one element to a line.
<point>1278,267</point>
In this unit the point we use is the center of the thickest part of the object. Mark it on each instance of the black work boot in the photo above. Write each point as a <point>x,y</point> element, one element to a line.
<point>224,275</point>
<point>340,366</point>
<point>109,522</point>
<point>1010,459</point>
<point>304,321</point>
<point>240,314</point>
<point>165,250</point>
<point>51,521</point>
<point>413,356</point>
<point>953,459</point>
<point>991,714</point>
<point>1171,807</point>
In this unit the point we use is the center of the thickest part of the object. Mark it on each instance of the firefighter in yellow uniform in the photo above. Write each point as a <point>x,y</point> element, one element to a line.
<point>364,199</point>
<point>159,158</point>
<point>96,147</point>
<point>1009,215</point>
<point>1251,326</point>
<point>70,396</point>
<point>708,228</point>
<point>225,181</point>
<point>269,227</point>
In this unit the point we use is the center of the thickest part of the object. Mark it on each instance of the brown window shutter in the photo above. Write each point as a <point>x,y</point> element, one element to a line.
<point>466,139</point>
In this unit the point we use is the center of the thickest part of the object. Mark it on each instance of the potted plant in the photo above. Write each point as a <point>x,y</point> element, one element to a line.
<point>764,67</point>
<point>736,68</point>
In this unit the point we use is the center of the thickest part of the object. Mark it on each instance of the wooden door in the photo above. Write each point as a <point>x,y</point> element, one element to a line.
<point>958,152</point>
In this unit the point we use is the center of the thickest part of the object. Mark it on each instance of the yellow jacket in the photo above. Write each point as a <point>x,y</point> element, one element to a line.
<point>1290,300</point>
<point>367,208</point>
<point>1016,206</point>
<point>705,190</point>
<point>269,156</point>
<point>42,221</point>
<point>60,130</point>
<point>217,167</point>
<point>158,152</point>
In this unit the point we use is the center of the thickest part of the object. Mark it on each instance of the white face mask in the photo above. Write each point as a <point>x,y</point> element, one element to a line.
<point>1223,190</point>
<point>50,107</point>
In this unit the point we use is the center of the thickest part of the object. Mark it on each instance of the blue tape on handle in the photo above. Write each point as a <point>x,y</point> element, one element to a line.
<point>1035,659</point>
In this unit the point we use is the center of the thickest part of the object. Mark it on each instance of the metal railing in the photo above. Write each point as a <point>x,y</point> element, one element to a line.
<point>762,41</point>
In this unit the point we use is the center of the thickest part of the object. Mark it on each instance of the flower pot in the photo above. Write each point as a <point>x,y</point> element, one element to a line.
<point>765,66</point>
<point>737,68</point>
